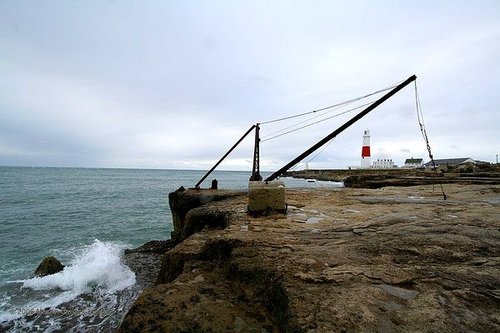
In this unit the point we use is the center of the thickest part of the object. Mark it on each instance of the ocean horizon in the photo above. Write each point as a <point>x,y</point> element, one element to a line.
<point>130,168</point>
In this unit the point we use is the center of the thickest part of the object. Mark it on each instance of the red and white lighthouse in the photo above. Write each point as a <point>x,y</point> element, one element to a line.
<point>365,150</point>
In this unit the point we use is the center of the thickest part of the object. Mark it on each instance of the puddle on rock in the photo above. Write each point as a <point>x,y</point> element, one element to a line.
<point>314,220</point>
<point>398,292</point>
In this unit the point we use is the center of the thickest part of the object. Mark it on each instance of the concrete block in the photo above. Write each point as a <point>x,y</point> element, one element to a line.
<point>266,198</point>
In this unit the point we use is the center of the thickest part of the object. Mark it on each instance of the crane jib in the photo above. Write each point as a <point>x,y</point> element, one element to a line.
<point>341,129</point>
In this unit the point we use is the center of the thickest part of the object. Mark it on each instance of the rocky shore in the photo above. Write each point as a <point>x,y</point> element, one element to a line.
<point>470,173</point>
<point>394,259</point>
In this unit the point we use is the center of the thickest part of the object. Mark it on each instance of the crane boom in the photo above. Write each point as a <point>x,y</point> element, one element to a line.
<point>341,129</point>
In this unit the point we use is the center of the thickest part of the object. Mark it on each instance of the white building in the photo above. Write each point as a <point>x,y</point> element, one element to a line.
<point>385,163</point>
<point>414,162</point>
<point>451,161</point>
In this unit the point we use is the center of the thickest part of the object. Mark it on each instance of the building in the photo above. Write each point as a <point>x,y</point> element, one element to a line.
<point>450,161</point>
<point>365,151</point>
<point>414,162</point>
<point>385,163</point>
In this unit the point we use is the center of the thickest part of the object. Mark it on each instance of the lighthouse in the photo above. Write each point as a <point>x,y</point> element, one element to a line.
<point>365,150</point>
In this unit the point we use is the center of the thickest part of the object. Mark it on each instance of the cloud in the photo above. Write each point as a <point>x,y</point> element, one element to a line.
<point>175,84</point>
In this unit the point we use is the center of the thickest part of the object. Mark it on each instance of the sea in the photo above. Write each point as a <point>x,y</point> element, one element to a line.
<point>85,217</point>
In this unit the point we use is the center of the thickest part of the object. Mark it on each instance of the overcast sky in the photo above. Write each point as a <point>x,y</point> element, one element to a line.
<point>173,84</point>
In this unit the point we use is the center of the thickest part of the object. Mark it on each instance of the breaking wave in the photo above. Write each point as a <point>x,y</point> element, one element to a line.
<point>92,290</point>
<point>99,265</point>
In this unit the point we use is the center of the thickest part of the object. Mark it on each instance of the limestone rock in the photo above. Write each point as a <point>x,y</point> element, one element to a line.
<point>478,173</point>
<point>198,218</point>
<point>182,201</point>
<point>397,259</point>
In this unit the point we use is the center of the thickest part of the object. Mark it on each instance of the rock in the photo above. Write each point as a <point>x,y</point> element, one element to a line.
<point>145,265</point>
<point>480,173</point>
<point>198,218</point>
<point>182,201</point>
<point>6,325</point>
<point>48,266</point>
<point>417,261</point>
<point>241,327</point>
<point>154,246</point>
<point>198,279</point>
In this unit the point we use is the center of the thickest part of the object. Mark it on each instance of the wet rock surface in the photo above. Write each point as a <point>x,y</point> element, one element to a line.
<point>145,261</point>
<point>49,265</point>
<point>154,246</point>
<point>341,260</point>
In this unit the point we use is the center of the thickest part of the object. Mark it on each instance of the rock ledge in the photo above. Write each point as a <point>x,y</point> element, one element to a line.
<point>337,262</point>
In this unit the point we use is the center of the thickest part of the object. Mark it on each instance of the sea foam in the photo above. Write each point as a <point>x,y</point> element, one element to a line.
<point>98,268</point>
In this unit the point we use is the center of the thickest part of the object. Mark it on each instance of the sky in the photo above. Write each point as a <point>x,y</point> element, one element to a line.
<point>174,84</point>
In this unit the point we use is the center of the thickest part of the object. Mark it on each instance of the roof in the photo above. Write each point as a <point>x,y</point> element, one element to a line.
<point>450,161</point>
<point>413,160</point>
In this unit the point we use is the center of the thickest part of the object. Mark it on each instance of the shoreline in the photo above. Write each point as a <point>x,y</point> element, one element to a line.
<point>387,259</point>
<point>379,178</point>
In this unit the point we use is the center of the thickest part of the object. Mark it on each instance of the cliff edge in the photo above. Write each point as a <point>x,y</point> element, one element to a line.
<point>341,260</point>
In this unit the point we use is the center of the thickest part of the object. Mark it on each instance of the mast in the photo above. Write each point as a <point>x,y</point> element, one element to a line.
<point>256,161</point>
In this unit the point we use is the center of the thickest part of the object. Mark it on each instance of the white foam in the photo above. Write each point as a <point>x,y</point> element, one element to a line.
<point>8,316</point>
<point>97,268</point>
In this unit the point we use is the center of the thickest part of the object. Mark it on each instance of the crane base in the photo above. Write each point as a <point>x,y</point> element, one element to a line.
<point>266,198</point>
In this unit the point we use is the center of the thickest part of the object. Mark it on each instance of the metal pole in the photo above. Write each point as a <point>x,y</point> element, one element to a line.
<point>256,157</point>
<point>341,129</point>
<point>223,157</point>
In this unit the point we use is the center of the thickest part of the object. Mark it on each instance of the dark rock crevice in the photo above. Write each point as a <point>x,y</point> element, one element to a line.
<point>172,266</point>
<point>264,286</point>
<point>198,218</point>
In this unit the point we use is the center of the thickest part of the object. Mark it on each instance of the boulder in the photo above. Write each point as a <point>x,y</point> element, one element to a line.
<point>48,266</point>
